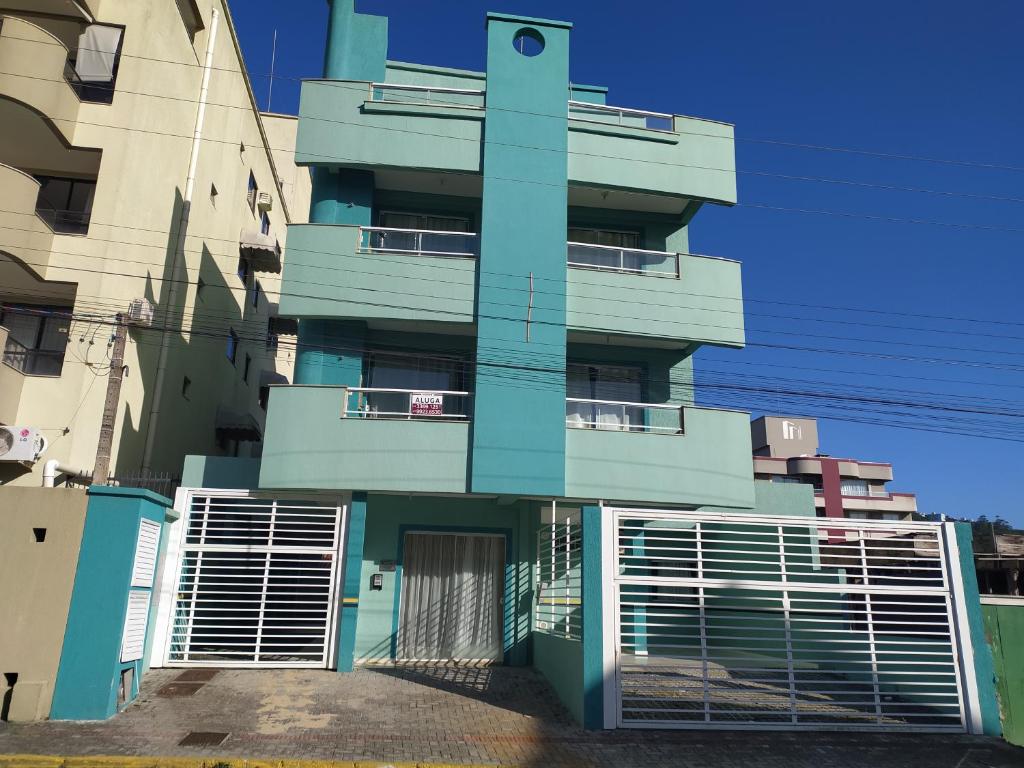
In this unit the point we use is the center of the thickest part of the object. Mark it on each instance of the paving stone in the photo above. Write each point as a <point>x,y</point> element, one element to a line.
<point>493,716</point>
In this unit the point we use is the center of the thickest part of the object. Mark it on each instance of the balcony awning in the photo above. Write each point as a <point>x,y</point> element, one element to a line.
<point>284,326</point>
<point>232,425</point>
<point>261,250</point>
<point>272,377</point>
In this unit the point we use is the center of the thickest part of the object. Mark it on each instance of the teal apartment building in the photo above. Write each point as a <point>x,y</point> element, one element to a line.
<point>491,450</point>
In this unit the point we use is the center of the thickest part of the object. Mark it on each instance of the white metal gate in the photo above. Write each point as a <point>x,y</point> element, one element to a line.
<point>730,621</point>
<point>255,583</point>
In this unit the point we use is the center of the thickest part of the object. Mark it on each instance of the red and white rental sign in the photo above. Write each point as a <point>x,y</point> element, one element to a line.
<point>426,404</point>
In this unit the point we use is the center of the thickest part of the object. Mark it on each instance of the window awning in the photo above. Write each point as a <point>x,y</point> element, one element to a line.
<point>232,425</point>
<point>272,377</point>
<point>284,326</point>
<point>261,250</point>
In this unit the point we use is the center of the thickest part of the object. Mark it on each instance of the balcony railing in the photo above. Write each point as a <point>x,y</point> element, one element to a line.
<point>32,362</point>
<point>383,403</point>
<point>616,416</point>
<point>94,92</point>
<point>632,118</point>
<point>427,94</point>
<point>418,242</point>
<point>632,260</point>
<point>64,222</point>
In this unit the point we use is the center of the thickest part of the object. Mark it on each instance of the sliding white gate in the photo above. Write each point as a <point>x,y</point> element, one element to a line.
<point>730,621</point>
<point>255,582</point>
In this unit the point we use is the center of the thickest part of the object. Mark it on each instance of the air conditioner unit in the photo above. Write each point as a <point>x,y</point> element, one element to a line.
<point>21,444</point>
<point>140,312</point>
<point>264,202</point>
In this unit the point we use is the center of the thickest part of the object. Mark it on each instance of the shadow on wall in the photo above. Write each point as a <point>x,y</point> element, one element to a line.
<point>188,410</point>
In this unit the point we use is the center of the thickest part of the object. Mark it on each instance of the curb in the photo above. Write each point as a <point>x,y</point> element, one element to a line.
<point>114,761</point>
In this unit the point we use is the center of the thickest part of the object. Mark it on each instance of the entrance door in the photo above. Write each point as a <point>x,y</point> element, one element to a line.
<point>451,601</point>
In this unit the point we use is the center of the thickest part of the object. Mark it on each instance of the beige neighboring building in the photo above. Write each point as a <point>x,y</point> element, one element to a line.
<point>786,451</point>
<point>135,167</point>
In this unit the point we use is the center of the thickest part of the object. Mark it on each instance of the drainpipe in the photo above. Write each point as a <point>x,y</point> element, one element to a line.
<point>53,467</point>
<point>186,206</point>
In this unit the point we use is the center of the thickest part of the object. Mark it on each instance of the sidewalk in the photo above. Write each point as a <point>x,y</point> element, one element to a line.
<point>499,716</point>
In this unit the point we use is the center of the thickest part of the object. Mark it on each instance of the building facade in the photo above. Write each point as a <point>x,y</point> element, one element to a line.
<point>786,451</point>
<point>136,172</point>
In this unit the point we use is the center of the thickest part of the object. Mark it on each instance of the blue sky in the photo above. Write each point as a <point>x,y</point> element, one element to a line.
<point>914,79</point>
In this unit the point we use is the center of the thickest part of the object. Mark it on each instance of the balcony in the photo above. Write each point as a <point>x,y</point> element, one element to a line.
<point>705,462</point>
<point>32,63</point>
<point>23,233</point>
<point>375,273</point>
<point>617,291</point>
<point>11,383</point>
<point>321,438</point>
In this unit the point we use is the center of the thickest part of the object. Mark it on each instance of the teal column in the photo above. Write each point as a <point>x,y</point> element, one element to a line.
<point>351,583</point>
<point>984,667</point>
<point>593,620</point>
<point>357,44</point>
<point>90,661</point>
<point>519,394</point>
<point>330,352</point>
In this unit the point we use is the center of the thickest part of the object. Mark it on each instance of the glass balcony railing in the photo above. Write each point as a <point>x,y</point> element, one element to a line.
<point>418,242</point>
<point>615,416</point>
<point>632,118</point>
<point>32,362</point>
<point>383,403</point>
<point>429,95</point>
<point>64,222</point>
<point>631,260</point>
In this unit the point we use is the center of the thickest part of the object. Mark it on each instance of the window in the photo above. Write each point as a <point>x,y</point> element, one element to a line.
<point>265,223</point>
<point>272,336</point>
<point>396,220</point>
<point>65,204</point>
<point>785,479</point>
<point>849,486</point>
<point>422,373</point>
<point>609,237</point>
<point>245,370</point>
<point>254,294</point>
<point>92,67</point>
<point>253,193</point>
<point>618,384</point>
<point>264,396</point>
<point>186,387</point>
<point>232,348</point>
<point>200,284</point>
<point>244,268</point>
<point>37,338</point>
<point>213,195</point>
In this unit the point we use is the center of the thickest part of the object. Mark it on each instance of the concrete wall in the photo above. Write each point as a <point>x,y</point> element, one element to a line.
<point>36,579</point>
<point>11,382</point>
<point>141,145</point>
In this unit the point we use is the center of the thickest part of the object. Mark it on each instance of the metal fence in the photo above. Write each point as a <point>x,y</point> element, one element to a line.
<point>558,609</point>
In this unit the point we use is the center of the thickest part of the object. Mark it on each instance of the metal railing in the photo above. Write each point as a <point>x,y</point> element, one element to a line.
<point>63,221</point>
<point>32,362</point>
<point>632,260</point>
<point>385,403</point>
<point>427,94</point>
<point>633,118</point>
<point>559,570</point>
<point>418,242</point>
<point>614,416</point>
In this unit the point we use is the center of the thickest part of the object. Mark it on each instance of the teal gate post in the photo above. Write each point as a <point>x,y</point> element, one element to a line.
<point>109,620</point>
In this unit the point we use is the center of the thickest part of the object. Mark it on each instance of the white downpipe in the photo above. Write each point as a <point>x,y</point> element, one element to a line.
<point>52,468</point>
<point>186,206</point>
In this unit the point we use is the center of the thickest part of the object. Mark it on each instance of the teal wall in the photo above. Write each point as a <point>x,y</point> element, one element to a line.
<point>524,226</point>
<point>308,444</point>
<point>355,537</point>
<point>984,666</point>
<point>560,660</point>
<point>709,465</point>
<point>329,352</point>
<point>388,517</point>
<point>594,580</point>
<point>90,665</point>
<point>357,43</point>
<point>1004,627</point>
<point>220,472</point>
<point>325,276</point>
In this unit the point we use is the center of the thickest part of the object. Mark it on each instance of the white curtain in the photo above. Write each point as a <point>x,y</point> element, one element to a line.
<point>97,52</point>
<point>451,597</point>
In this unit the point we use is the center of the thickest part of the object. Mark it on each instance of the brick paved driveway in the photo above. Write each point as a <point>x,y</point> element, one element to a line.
<point>501,715</point>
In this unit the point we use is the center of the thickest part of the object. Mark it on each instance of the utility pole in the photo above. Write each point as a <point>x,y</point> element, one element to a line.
<point>101,470</point>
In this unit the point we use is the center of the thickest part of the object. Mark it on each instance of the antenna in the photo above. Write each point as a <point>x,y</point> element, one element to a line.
<point>273,56</point>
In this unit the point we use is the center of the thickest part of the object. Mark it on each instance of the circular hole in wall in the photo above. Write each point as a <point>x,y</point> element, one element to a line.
<point>528,42</point>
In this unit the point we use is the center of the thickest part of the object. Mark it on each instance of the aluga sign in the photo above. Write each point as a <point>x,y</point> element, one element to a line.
<point>426,404</point>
